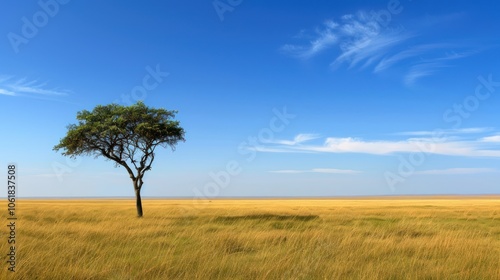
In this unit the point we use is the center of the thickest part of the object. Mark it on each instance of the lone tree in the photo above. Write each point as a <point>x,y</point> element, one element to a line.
<point>127,135</point>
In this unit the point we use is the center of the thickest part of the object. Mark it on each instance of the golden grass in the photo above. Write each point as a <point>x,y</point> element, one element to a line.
<point>380,238</point>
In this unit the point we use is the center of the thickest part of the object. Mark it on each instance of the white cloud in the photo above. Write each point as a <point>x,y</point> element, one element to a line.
<point>441,146</point>
<point>384,147</point>
<point>491,139</point>
<point>277,149</point>
<point>318,170</point>
<point>358,40</point>
<point>409,53</point>
<point>25,87</point>
<point>369,50</point>
<point>324,38</point>
<point>7,92</point>
<point>300,138</point>
<point>421,70</point>
<point>37,90</point>
<point>359,37</point>
<point>456,171</point>
<point>431,66</point>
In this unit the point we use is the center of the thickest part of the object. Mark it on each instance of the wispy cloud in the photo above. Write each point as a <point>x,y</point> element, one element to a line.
<point>318,170</point>
<point>389,61</point>
<point>420,71</point>
<point>456,146</point>
<point>359,37</point>
<point>7,92</point>
<point>456,171</point>
<point>491,139</point>
<point>367,50</point>
<point>358,40</point>
<point>325,39</point>
<point>432,65</point>
<point>24,87</point>
<point>300,138</point>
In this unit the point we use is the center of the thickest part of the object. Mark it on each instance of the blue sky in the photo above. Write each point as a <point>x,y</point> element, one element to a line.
<point>289,98</point>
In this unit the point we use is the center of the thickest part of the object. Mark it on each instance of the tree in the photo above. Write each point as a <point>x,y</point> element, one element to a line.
<point>127,135</point>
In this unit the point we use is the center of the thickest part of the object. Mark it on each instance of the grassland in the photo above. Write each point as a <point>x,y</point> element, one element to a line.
<point>385,238</point>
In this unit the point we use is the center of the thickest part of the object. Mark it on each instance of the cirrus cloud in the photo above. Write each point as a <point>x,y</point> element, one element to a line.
<point>360,40</point>
<point>11,86</point>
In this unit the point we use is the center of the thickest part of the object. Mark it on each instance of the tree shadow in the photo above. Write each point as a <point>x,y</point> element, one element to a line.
<point>266,217</point>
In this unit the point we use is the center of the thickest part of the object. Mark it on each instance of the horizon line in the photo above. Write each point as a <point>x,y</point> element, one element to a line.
<point>261,197</point>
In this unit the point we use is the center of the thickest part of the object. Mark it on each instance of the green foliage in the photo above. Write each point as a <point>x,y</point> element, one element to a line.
<point>121,132</point>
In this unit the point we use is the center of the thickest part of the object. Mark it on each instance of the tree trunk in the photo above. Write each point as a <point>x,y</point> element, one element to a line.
<point>138,202</point>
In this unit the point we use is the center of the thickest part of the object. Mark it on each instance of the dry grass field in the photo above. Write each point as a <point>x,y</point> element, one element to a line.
<point>376,238</point>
